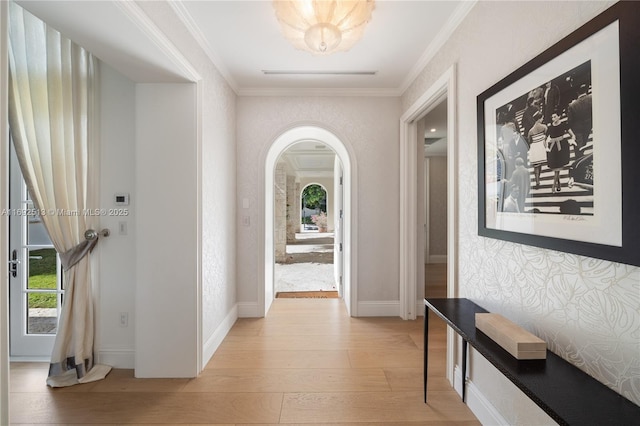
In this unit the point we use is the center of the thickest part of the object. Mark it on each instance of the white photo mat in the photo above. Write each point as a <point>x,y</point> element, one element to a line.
<point>604,226</point>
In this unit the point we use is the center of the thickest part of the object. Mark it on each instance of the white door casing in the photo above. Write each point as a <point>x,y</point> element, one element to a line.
<point>4,220</point>
<point>444,87</point>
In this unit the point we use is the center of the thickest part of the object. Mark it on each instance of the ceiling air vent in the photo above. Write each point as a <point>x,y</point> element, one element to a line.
<point>317,72</point>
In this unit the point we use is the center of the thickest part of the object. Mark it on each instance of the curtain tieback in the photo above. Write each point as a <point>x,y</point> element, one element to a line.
<point>72,256</point>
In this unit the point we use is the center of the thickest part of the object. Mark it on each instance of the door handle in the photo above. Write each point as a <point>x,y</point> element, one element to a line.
<point>13,264</point>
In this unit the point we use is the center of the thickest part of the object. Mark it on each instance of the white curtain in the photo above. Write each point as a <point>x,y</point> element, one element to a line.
<point>51,118</point>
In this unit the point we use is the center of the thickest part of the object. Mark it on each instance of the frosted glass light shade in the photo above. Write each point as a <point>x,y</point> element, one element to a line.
<point>323,26</point>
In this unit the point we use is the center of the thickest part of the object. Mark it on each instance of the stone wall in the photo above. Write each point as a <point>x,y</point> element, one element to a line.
<point>280,205</point>
<point>293,208</point>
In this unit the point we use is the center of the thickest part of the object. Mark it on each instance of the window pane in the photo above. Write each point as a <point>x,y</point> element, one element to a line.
<point>36,233</point>
<point>41,317</point>
<point>42,269</point>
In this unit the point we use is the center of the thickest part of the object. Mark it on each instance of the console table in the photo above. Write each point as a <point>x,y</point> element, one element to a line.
<point>566,393</point>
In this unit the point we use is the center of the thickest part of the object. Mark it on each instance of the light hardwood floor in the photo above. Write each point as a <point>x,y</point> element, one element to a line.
<point>306,363</point>
<point>435,280</point>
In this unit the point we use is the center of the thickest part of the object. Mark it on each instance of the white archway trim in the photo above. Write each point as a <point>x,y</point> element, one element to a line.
<point>444,87</point>
<point>281,143</point>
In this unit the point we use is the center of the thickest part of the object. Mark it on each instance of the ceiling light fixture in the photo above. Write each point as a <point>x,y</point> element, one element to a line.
<point>323,26</point>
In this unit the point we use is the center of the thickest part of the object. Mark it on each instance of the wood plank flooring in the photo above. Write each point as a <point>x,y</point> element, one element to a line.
<point>435,277</point>
<point>306,363</point>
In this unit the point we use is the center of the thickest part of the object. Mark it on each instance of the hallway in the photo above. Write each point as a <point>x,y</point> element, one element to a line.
<point>307,362</point>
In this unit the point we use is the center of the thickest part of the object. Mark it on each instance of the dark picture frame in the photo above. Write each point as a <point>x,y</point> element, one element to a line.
<point>559,144</point>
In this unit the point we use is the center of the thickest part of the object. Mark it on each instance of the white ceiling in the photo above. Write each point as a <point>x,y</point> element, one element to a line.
<point>118,33</point>
<point>309,159</point>
<point>243,38</point>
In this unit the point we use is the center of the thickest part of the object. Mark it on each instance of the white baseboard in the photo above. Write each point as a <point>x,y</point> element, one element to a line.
<point>30,359</point>
<point>479,405</point>
<point>248,310</point>
<point>389,308</point>
<point>457,381</point>
<point>213,342</point>
<point>117,358</point>
<point>438,258</point>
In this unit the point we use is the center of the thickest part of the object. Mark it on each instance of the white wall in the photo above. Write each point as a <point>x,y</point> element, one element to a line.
<point>587,310</point>
<point>167,231</point>
<point>437,205</point>
<point>216,124</point>
<point>369,128</point>
<point>117,262</point>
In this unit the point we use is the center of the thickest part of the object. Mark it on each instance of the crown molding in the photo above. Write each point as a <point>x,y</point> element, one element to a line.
<point>443,35</point>
<point>440,39</point>
<point>137,16</point>
<point>186,18</point>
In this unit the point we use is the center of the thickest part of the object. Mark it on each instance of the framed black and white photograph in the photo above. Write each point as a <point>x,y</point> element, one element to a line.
<point>556,154</point>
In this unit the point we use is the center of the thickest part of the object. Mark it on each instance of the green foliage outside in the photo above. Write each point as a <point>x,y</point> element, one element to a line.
<point>312,196</point>
<point>42,274</point>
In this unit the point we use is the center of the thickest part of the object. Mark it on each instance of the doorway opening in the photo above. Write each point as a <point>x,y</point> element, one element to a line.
<point>304,223</point>
<point>304,148</point>
<point>411,156</point>
<point>434,128</point>
<point>411,197</point>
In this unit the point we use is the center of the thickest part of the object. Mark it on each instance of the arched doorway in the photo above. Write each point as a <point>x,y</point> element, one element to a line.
<point>344,175</point>
<point>314,202</point>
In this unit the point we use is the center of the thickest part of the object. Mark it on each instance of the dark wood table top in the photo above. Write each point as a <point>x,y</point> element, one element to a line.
<point>566,393</point>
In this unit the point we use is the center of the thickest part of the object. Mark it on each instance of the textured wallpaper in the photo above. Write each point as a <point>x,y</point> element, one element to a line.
<point>369,128</point>
<point>587,310</point>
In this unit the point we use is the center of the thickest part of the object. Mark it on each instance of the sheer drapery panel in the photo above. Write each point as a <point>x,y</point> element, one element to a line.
<point>52,121</point>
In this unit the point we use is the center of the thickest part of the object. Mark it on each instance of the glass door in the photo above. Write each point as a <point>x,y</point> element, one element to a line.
<point>35,275</point>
